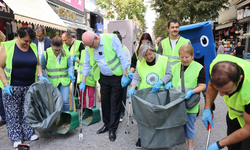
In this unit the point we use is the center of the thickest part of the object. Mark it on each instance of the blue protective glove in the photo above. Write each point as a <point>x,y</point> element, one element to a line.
<point>82,86</point>
<point>125,81</point>
<point>8,89</point>
<point>72,78</point>
<point>157,86</point>
<point>74,59</point>
<point>43,78</point>
<point>212,147</point>
<point>131,91</point>
<point>130,75</point>
<point>189,93</point>
<point>167,86</point>
<point>207,117</point>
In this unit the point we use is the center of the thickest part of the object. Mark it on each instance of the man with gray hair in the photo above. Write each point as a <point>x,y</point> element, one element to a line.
<point>112,62</point>
<point>220,48</point>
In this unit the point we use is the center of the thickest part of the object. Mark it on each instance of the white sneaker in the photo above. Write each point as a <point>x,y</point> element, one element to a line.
<point>121,119</point>
<point>17,143</point>
<point>33,137</point>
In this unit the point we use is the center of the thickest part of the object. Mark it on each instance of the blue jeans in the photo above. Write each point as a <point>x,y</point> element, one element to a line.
<point>2,113</point>
<point>65,96</point>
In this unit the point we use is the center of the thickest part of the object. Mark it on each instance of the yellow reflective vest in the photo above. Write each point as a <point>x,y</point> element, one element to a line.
<point>90,80</point>
<point>151,74</point>
<point>111,58</point>
<point>237,102</point>
<point>9,49</point>
<point>57,74</point>
<point>173,55</point>
<point>75,47</point>
<point>191,75</point>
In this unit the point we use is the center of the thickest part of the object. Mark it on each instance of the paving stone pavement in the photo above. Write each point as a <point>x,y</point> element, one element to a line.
<point>93,141</point>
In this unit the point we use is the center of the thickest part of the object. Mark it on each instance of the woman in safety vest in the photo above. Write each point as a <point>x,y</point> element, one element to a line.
<point>134,58</point>
<point>58,64</point>
<point>2,113</point>
<point>19,68</point>
<point>152,71</point>
<point>194,81</point>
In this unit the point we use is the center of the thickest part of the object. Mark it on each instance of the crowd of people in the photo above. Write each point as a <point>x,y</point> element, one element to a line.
<point>103,58</point>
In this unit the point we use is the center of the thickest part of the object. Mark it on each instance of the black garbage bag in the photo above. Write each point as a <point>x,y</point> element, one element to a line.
<point>43,105</point>
<point>160,117</point>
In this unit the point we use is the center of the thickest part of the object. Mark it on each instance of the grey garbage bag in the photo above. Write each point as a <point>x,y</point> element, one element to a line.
<point>43,105</point>
<point>160,117</point>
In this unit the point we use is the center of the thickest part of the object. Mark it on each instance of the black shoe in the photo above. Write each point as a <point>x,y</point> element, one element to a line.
<point>2,123</point>
<point>138,143</point>
<point>112,136</point>
<point>102,130</point>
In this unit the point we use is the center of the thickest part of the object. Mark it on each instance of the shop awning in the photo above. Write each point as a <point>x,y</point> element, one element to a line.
<point>84,27</point>
<point>222,26</point>
<point>36,12</point>
<point>77,25</point>
<point>70,24</point>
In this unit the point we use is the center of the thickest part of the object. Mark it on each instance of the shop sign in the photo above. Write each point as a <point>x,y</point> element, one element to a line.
<point>226,15</point>
<point>66,13</point>
<point>75,3</point>
<point>6,11</point>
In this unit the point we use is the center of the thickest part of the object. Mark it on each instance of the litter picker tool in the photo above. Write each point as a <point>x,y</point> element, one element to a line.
<point>128,114</point>
<point>208,134</point>
<point>80,134</point>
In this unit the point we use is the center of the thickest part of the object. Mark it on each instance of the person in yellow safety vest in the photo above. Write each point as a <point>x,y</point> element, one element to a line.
<point>75,47</point>
<point>90,81</point>
<point>153,70</point>
<point>58,64</point>
<point>2,113</point>
<point>194,82</point>
<point>170,45</point>
<point>134,58</point>
<point>124,94</point>
<point>17,73</point>
<point>113,64</point>
<point>230,77</point>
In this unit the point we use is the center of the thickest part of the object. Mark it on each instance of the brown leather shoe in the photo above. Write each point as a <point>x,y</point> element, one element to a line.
<point>102,130</point>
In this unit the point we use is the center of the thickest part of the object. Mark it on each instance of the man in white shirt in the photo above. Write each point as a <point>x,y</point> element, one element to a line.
<point>41,41</point>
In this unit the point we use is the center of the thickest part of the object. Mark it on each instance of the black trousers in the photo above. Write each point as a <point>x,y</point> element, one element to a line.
<point>111,100</point>
<point>233,125</point>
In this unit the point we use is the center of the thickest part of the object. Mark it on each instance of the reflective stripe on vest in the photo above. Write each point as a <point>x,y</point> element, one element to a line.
<point>90,78</point>
<point>75,45</point>
<point>112,60</point>
<point>237,102</point>
<point>151,74</point>
<point>9,49</point>
<point>191,75</point>
<point>173,55</point>
<point>57,74</point>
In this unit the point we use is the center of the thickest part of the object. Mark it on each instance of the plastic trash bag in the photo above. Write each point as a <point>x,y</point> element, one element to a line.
<point>160,117</point>
<point>43,105</point>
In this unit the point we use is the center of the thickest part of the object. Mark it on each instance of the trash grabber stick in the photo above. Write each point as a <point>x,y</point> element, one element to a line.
<point>80,134</point>
<point>208,134</point>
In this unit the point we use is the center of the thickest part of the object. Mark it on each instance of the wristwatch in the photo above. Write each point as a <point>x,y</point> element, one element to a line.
<point>219,146</point>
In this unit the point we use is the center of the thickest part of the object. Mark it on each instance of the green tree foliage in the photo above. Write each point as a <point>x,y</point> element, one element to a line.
<point>125,9</point>
<point>187,11</point>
